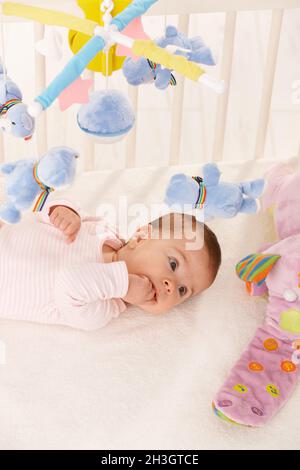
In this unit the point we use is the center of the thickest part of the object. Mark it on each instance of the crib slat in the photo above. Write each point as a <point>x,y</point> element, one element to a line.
<point>177,105</point>
<point>268,82</point>
<point>89,144</point>
<point>226,66</point>
<point>130,159</point>
<point>89,154</point>
<point>40,85</point>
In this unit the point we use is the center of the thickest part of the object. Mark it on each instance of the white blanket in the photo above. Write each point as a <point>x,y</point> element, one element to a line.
<point>143,382</point>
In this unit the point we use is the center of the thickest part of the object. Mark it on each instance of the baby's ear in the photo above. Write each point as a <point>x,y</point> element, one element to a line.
<point>211,174</point>
<point>256,267</point>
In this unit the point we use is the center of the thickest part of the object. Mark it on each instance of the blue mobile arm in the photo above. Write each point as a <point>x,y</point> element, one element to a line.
<point>81,60</point>
<point>136,9</point>
<point>71,71</point>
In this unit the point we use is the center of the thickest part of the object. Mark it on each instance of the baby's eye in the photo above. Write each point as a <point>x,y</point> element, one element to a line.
<point>182,290</point>
<point>13,123</point>
<point>173,264</point>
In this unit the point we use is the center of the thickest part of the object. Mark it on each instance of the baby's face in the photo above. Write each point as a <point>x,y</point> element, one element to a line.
<point>176,273</point>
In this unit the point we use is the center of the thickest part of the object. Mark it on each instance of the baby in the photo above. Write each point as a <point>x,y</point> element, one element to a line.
<point>63,267</point>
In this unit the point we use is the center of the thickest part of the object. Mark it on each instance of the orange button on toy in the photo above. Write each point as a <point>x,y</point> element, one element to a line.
<point>288,366</point>
<point>255,366</point>
<point>270,344</point>
<point>296,344</point>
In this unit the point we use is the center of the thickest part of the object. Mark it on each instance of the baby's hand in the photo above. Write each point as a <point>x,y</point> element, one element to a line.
<point>140,290</point>
<point>66,220</point>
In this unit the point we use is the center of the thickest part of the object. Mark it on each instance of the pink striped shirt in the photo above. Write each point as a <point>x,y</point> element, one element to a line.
<point>45,280</point>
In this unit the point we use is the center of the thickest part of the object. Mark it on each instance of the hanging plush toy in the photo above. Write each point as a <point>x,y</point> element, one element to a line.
<point>267,373</point>
<point>193,49</point>
<point>218,199</point>
<point>30,180</point>
<point>144,71</point>
<point>14,117</point>
<point>108,116</point>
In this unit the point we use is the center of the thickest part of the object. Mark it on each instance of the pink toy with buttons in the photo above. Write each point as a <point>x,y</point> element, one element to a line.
<point>266,374</point>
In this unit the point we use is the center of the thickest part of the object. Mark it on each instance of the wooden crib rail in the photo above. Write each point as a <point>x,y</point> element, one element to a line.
<point>182,7</point>
<point>173,7</point>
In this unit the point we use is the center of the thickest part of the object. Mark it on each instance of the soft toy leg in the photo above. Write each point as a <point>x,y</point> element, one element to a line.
<point>253,188</point>
<point>249,206</point>
<point>9,214</point>
<point>261,381</point>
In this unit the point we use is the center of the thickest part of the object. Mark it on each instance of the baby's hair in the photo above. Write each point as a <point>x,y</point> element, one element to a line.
<point>214,250</point>
<point>173,221</point>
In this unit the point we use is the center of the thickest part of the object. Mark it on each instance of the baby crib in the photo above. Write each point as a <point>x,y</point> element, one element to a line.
<point>251,65</point>
<point>147,382</point>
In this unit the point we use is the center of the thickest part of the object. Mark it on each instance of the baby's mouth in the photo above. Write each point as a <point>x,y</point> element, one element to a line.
<point>154,298</point>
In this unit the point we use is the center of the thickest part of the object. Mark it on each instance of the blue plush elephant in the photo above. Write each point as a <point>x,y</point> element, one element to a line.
<point>26,180</point>
<point>220,199</point>
<point>143,71</point>
<point>14,117</point>
<point>197,50</point>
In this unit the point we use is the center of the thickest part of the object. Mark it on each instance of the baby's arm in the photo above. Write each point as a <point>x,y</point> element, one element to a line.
<point>65,216</point>
<point>66,220</point>
<point>88,295</point>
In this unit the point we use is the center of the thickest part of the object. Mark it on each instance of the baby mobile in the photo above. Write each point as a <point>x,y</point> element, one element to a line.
<point>99,45</point>
<point>110,37</point>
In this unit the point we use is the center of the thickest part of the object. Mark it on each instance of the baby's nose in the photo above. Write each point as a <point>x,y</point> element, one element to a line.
<point>169,286</point>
